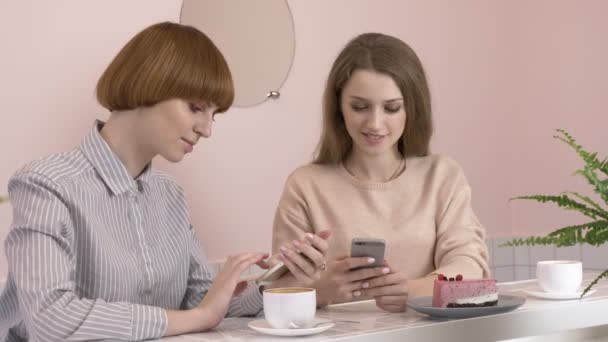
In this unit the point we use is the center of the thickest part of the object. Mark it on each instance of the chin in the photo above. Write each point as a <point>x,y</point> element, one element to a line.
<point>374,150</point>
<point>379,152</point>
<point>173,158</point>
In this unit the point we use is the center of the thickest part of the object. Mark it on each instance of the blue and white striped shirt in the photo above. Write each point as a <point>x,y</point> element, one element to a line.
<point>94,254</point>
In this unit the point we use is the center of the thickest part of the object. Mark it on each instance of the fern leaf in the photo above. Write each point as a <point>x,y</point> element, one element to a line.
<point>588,201</point>
<point>530,241</point>
<point>604,166</point>
<point>589,158</point>
<point>595,225</point>
<point>599,186</point>
<point>571,235</point>
<point>602,275</point>
<point>596,237</point>
<point>566,202</point>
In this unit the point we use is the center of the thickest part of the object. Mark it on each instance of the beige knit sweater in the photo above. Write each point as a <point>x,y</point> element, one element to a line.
<point>424,215</point>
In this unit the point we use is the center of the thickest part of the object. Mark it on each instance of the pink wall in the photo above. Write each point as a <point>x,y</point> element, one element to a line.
<point>503,75</point>
<point>559,80</point>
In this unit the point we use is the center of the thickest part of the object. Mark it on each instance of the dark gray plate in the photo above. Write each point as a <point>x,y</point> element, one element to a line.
<point>505,303</point>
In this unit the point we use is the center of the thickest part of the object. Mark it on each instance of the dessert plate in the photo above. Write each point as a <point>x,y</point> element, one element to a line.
<point>505,304</point>
<point>556,295</point>
<point>319,326</point>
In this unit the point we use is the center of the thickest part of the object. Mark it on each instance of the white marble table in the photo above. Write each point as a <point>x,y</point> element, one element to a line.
<point>535,317</point>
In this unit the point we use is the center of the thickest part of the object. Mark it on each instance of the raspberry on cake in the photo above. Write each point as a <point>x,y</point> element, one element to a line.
<point>459,293</point>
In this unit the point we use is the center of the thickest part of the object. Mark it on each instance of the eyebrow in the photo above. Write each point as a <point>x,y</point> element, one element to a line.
<point>387,101</point>
<point>204,103</point>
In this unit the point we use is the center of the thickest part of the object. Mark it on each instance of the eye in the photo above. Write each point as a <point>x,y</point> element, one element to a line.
<point>392,109</point>
<point>358,107</point>
<point>194,108</point>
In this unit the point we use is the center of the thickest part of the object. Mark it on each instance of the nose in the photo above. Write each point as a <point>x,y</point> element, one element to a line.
<point>203,124</point>
<point>375,119</point>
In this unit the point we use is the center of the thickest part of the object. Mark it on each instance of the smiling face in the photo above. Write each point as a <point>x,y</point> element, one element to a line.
<point>172,127</point>
<point>374,113</point>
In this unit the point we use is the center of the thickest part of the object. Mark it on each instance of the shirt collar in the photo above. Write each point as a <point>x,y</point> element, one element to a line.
<point>107,164</point>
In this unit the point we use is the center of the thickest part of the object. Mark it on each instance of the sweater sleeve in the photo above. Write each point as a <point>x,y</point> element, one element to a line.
<point>39,249</point>
<point>291,220</point>
<point>460,246</point>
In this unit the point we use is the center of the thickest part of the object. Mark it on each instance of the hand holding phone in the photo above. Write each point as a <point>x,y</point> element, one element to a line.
<point>366,247</point>
<point>275,272</point>
<point>311,250</point>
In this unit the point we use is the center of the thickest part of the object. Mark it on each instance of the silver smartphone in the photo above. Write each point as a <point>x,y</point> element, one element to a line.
<point>366,247</point>
<point>277,271</point>
<point>273,273</point>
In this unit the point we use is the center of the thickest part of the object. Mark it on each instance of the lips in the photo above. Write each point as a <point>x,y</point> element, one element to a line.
<point>189,146</point>
<point>373,139</point>
<point>373,136</point>
<point>188,141</point>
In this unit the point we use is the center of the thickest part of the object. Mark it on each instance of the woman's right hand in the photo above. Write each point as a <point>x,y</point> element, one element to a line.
<point>338,282</point>
<point>214,306</point>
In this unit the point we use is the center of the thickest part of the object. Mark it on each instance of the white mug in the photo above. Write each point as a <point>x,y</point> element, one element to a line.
<point>289,307</point>
<point>560,276</point>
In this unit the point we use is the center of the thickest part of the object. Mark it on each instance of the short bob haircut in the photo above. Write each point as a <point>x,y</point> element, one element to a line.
<point>390,56</point>
<point>162,62</point>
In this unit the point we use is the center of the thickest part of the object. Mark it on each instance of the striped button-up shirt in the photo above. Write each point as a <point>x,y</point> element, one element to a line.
<point>95,254</point>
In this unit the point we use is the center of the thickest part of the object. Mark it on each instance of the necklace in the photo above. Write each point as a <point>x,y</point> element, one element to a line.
<point>393,176</point>
<point>401,162</point>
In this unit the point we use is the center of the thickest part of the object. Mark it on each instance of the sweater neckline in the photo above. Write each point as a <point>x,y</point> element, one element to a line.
<point>369,184</point>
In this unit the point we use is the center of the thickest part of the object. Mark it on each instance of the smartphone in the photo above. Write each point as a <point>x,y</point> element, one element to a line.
<point>365,247</point>
<point>276,272</point>
<point>272,274</point>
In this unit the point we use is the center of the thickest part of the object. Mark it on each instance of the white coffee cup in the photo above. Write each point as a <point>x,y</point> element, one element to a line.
<point>560,276</point>
<point>289,307</point>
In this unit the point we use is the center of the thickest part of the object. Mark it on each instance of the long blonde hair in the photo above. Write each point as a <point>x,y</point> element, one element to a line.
<point>387,55</point>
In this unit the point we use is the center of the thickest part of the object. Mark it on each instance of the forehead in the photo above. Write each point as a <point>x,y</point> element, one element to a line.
<point>371,85</point>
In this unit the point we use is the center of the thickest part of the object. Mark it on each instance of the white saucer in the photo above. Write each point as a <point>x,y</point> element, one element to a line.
<point>556,295</point>
<point>260,325</point>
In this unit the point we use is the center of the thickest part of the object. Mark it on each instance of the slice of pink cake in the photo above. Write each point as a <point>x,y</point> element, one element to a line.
<point>459,293</point>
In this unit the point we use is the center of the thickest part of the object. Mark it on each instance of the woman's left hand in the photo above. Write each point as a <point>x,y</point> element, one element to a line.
<point>390,291</point>
<point>305,259</point>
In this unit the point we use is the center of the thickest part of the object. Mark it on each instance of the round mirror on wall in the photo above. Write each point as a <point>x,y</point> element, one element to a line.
<point>256,38</point>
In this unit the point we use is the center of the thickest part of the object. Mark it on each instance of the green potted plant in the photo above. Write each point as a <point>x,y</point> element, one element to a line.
<point>593,232</point>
